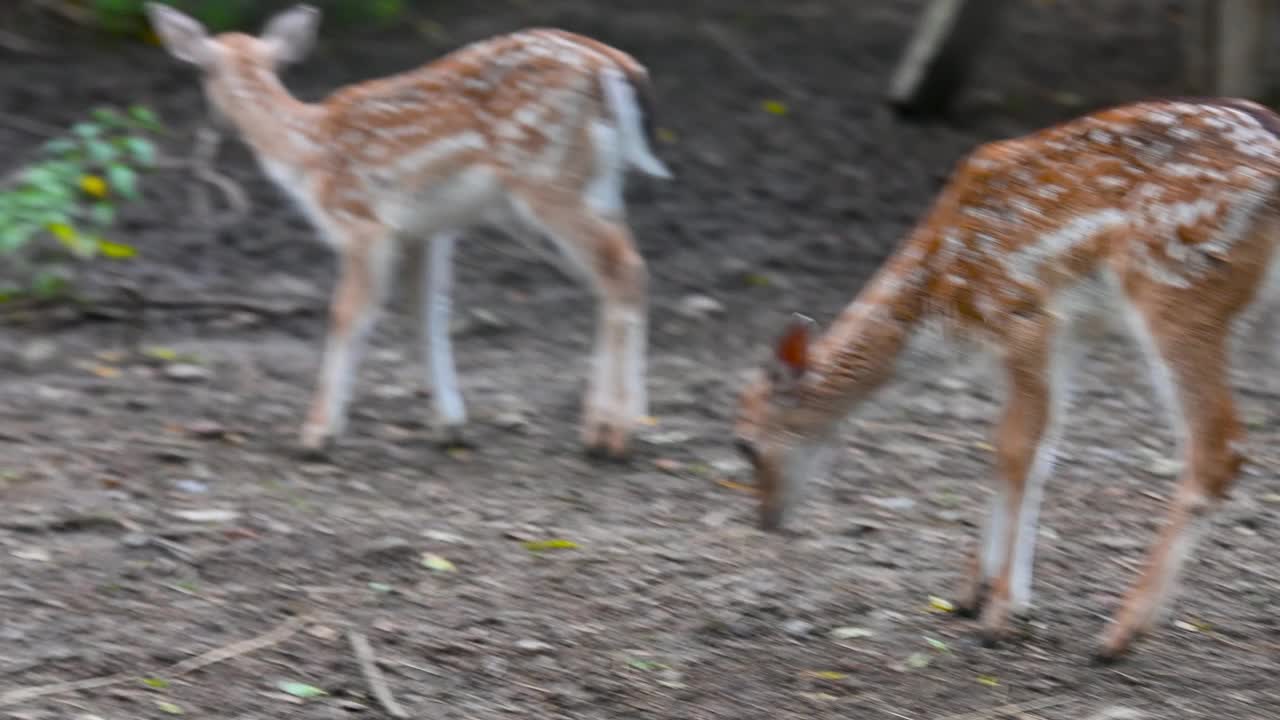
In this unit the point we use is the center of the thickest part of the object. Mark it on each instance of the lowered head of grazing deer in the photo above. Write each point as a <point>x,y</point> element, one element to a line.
<point>531,133</point>
<point>1164,214</point>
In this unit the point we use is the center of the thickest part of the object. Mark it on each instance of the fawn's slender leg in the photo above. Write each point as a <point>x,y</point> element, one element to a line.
<point>1194,358</point>
<point>1038,370</point>
<point>435,284</point>
<point>363,279</point>
<point>604,251</point>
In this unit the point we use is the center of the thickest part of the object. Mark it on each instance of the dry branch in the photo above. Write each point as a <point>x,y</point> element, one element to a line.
<point>373,674</point>
<point>244,647</point>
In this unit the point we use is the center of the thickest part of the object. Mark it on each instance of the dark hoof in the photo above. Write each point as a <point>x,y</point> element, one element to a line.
<point>990,638</point>
<point>314,453</point>
<point>452,438</point>
<point>1105,657</point>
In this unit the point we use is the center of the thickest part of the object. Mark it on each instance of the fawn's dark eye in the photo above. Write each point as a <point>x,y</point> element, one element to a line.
<point>746,448</point>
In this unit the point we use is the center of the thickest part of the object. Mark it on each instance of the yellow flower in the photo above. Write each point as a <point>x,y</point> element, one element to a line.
<point>94,185</point>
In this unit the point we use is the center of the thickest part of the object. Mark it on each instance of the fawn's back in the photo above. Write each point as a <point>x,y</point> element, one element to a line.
<point>1152,198</point>
<point>544,108</point>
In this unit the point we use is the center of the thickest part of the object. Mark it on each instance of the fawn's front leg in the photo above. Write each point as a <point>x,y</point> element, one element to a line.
<point>1038,372</point>
<point>364,268</point>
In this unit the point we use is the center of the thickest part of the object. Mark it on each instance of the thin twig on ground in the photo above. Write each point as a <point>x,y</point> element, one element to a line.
<point>13,42</point>
<point>200,165</point>
<point>373,674</point>
<point>244,647</point>
<point>721,38</point>
<point>29,126</point>
<point>116,309</point>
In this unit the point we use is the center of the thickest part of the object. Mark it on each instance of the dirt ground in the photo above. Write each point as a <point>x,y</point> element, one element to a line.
<point>149,515</point>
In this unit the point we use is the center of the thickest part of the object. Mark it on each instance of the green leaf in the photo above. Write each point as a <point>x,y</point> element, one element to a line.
<point>431,561</point>
<point>107,116</point>
<point>44,177</point>
<point>49,283</point>
<point>123,180</point>
<point>86,130</point>
<point>142,150</point>
<point>101,152</point>
<point>168,707</point>
<point>102,214</point>
<point>115,250</point>
<point>918,661</point>
<point>60,146</point>
<point>775,107</point>
<point>157,683</point>
<point>15,236</point>
<point>555,544</point>
<point>145,117</point>
<point>936,644</point>
<point>380,587</point>
<point>301,690</point>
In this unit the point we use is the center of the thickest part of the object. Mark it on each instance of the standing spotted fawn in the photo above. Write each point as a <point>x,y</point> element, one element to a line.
<point>531,133</point>
<point>1165,213</point>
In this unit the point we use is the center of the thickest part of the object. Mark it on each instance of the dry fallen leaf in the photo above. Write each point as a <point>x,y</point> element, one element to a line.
<point>937,604</point>
<point>438,563</point>
<point>739,487</point>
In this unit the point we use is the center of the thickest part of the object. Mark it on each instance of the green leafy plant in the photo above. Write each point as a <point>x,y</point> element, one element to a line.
<point>67,200</point>
<point>128,17</point>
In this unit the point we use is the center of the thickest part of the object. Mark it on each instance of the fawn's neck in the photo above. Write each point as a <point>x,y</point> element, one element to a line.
<point>280,128</point>
<point>859,352</point>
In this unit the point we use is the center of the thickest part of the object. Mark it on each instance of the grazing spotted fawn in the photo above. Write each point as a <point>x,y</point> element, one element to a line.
<point>1165,213</point>
<point>531,133</point>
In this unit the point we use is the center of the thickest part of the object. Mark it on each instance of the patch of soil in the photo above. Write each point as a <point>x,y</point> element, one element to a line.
<point>672,604</point>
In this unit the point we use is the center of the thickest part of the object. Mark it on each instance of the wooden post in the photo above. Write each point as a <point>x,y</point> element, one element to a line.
<point>946,42</point>
<point>1227,46</point>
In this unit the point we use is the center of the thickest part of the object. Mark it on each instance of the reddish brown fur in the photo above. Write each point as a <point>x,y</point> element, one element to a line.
<point>1172,205</point>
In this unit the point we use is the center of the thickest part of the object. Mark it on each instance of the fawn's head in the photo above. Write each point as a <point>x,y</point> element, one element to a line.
<point>770,426</point>
<point>228,60</point>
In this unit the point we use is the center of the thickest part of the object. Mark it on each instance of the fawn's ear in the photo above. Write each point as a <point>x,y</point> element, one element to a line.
<point>791,354</point>
<point>184,37</point>
<point>292,33</point>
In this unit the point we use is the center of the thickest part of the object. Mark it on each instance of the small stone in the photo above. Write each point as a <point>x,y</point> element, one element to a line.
<point>210,515</point>
<point>699,306</point>
<point>187,372</point>
<point>532,646</point>
<point>35,554</point>
<point>1164,467</point>
<point>187,485</point>
<point>1118,542</point>
<point>512,420</point>
<point>444,537</point>
<point>389,546</point>
<point>37,353</point>
<point>893,503</point>
<point>797,628</point>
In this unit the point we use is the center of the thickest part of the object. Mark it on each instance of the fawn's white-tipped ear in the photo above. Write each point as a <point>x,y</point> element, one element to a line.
<point>184,37</point>
<point>291,33</point>
<point>792,350</point>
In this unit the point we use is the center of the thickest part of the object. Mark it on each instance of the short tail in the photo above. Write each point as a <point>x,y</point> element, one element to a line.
<point>630,98</point>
